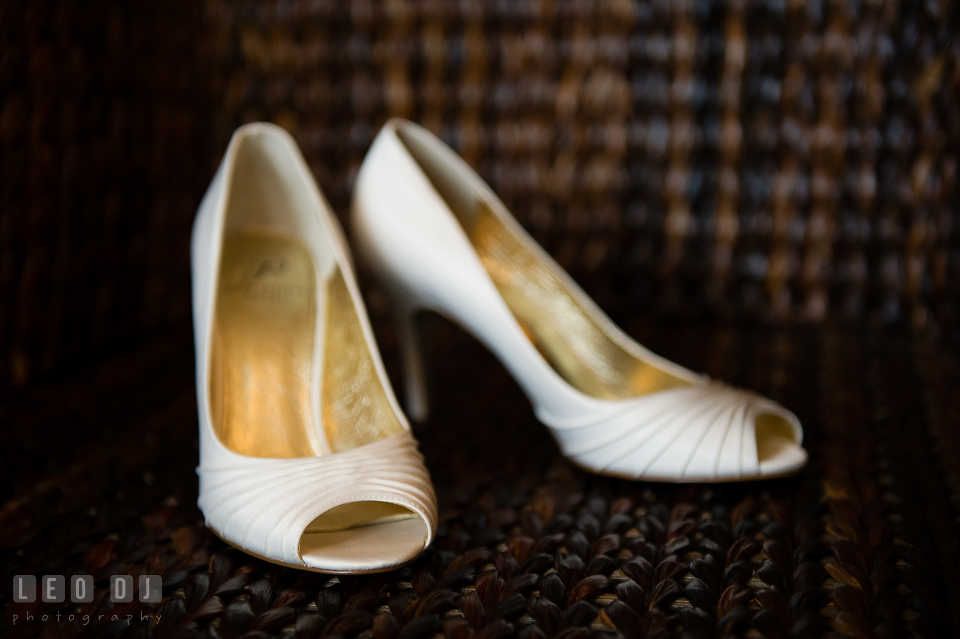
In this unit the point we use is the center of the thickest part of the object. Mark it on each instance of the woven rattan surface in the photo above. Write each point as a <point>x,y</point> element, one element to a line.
<point>99,479</point>
<point>784,161</point>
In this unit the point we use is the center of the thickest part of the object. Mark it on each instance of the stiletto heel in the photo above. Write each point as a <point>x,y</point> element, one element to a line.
<point>412,358</point>
<point>427,225</point>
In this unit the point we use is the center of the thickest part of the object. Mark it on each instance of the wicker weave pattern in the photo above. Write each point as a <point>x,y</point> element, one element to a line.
<point>778,160</point>
<point>865,543</point>
<point>786,161</point>
<point>104,154</point>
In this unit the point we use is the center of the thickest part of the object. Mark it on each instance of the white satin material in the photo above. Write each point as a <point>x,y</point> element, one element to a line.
<point>408,236</point>
<point>703,432</point>
<point>264,505</point>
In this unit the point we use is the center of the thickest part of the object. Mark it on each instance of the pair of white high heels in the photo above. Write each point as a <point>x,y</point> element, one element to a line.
<point>306,459</point>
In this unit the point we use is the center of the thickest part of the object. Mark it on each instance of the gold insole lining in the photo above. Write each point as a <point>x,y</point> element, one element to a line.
<point>568,337</point>
<point>355,407</point>
<point>263,347</point>
<point>263,359</point>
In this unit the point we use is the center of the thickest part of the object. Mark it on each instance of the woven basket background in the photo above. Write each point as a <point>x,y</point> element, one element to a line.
<point>783,161</point>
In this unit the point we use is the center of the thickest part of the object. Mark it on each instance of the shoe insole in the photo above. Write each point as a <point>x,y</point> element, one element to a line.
<point>356,410</point>
<point>263,356</point>
<point>263,347</point>
<point>363,536</point>
<point>263,361</point>
<point>568,337</point>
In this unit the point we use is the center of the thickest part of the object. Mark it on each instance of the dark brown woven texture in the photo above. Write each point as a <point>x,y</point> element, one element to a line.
<point>772,187</point>
<point>864,543</point>
<point>105,149</point>
<point>786,161</point>
<point>780,160</point>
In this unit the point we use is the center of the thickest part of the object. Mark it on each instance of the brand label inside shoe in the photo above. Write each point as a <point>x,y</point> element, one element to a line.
<point>272,281</point>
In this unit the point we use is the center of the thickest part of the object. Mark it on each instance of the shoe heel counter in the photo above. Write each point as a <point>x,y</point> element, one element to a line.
<point>405,234</point>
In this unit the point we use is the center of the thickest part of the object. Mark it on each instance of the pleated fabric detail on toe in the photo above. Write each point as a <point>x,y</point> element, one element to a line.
<point>264,506</point>
<point>706,432</point>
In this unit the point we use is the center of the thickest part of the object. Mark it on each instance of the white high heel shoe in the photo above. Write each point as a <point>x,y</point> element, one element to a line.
<point>438,239</point>
<point>305,457</point>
